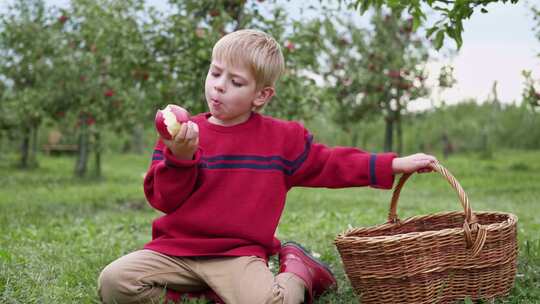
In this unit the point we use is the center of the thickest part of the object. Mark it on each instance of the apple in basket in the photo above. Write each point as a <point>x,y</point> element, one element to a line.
<point>169,119</point>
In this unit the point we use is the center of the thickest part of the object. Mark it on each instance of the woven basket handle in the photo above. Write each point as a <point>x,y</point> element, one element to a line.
<point>470,223</point>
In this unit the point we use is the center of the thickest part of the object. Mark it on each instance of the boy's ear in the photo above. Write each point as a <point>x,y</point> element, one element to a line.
<point>263,96</point>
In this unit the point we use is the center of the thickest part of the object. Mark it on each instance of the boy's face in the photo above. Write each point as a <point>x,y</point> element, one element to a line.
<point>231,93</point>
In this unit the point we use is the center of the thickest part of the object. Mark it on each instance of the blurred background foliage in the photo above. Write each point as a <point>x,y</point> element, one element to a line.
<point>95,72</point>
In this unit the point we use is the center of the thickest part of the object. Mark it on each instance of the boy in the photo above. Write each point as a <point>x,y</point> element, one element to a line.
<point>223,190</point>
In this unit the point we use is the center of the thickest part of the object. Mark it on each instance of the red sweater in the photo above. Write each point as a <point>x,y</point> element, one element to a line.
<point>228,200</point>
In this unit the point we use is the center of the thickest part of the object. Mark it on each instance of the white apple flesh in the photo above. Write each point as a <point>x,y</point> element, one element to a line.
<point>169,120</point>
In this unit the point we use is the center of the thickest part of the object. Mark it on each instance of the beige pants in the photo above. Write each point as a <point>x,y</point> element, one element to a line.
<point>141,277</point>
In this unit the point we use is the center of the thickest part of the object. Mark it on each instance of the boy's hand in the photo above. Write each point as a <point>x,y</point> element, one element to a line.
<point>185,142</point>
<point>413,163</point>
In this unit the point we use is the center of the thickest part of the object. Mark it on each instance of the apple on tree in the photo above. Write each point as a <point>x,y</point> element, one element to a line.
<point>169,120</point>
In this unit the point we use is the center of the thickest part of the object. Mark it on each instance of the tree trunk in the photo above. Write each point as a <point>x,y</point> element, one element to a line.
<point>487,152</point>
<point>25,149</point>
<point>388,133</point>
<point>97,154</point>
<point>364,141</point>
<point>354,139</point>
<point>399,132</point>
<point>82,157</point>
<point>138,140</point>
<point>352,135</point>
<point>33,153</point>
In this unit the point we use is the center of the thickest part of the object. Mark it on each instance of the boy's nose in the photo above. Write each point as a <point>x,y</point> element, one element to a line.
<point>219,88</point>
<point>219,85</point>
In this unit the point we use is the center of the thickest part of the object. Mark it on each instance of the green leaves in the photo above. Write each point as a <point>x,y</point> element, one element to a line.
<point>452,14</point>
<point>439,38</point>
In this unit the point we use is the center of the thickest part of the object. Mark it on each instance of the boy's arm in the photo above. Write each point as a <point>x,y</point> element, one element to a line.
<point>169,180</point>
<point>340,167</point>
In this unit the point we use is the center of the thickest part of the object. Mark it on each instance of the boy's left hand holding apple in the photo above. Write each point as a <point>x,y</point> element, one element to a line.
<point>184,144</point>
<point>178,133</point>
<point>418,162</point>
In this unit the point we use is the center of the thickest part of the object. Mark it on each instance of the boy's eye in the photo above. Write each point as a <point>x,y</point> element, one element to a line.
<point>236,83</point>
<point>215,74</point>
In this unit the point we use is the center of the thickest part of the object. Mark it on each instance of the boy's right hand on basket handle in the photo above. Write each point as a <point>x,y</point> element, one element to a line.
<point>418,162</point>
<point>184,144</point>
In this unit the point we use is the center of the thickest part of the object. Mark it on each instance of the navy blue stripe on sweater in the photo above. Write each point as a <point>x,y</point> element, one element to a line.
<point>372,161</point>
<point>265,159</point>
<point>255,166</point>
<point>256,158</point>
<point>158,155</point>
<point>274,162</point>
<point>289,167</point>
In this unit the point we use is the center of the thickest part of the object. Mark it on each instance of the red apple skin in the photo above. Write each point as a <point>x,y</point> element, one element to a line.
<point>62,19</point>
<point>181,115</point>
<point>394,74</point>
<point>290,46</point>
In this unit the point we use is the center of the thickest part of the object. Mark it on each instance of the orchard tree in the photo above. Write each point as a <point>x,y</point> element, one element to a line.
<point>531,91</point>
<point>398,58</point>
<point>102,71</point>
<point>376,73</point>
<point>25,63</point>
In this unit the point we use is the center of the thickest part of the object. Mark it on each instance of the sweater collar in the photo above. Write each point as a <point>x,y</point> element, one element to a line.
<point>252,120</point>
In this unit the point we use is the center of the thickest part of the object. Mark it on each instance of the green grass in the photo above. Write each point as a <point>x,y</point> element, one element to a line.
<point>57,233</point>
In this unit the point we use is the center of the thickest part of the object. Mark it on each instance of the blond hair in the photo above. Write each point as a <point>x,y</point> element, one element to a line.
<point>254,49</point>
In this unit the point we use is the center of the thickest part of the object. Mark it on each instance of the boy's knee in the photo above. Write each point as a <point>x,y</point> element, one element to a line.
<point>116,285</point>
<point>257,296</point>
<point>275,294</point>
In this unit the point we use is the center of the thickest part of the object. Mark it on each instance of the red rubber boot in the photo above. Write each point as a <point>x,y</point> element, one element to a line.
<point>316,275</point>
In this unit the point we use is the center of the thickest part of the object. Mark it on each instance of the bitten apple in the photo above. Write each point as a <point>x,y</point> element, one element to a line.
<point>169,119</point>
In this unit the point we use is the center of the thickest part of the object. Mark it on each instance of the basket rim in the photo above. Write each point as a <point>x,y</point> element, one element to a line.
<point>351,233</point>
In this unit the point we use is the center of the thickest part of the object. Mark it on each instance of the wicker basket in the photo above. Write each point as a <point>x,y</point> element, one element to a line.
<point>437,258</point>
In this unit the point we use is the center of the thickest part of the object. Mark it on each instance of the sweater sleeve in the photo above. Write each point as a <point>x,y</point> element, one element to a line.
<point>169,180</point>
<point>340,167</point>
